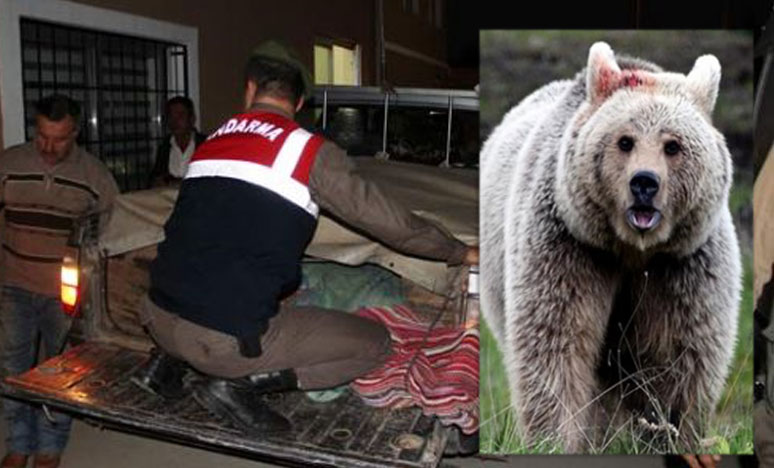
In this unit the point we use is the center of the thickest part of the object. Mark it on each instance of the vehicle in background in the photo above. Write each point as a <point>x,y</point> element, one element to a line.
<point>424,126</point>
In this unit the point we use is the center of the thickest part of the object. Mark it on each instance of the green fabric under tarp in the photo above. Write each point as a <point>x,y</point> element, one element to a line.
<point>334,286</point>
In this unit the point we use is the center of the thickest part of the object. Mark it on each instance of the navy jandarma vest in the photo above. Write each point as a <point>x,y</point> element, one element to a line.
<point>242,220</point>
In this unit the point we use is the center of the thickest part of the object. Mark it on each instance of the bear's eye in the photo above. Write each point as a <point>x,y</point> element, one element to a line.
<point>626,143</point>
<point>672,147</point>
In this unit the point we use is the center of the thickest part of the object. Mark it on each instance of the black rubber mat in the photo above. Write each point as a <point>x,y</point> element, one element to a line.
<point>92,380</point>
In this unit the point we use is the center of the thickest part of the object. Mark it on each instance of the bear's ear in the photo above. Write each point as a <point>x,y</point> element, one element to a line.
<point>602,73</point>
<point>703,82</point>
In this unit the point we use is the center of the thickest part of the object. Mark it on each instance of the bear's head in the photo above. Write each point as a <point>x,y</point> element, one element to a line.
<point>641,167</point>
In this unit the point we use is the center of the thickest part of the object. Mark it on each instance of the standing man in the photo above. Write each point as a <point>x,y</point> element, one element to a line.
<point>174,153</point>
<point>46,185</point>
<point>245,213</point>
<point>763,244</point>
<point>763,292</point>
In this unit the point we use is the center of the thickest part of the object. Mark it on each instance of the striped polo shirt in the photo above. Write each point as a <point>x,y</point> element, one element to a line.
<point>40,204</point>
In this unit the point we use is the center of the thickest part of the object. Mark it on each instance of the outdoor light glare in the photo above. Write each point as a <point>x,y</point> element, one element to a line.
<point>69,295</point>
<point>70,275</point>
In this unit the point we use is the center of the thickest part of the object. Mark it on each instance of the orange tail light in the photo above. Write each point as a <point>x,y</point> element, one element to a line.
<point>70,290</point>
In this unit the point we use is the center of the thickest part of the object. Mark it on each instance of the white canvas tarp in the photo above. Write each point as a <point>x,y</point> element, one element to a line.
<point>447,196</point>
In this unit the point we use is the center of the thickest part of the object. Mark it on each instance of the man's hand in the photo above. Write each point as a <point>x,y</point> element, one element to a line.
<point>471,256</point>
<point>702,461</point>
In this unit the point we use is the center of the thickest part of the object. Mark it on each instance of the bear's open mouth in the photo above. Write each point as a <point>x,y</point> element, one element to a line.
<point>643,218</point>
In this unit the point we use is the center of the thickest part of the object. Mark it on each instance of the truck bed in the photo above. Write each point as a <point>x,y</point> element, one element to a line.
<point>92,380</point>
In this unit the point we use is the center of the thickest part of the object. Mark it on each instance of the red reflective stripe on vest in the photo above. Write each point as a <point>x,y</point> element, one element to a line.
<point>304,166</point>
<point>263,149</point>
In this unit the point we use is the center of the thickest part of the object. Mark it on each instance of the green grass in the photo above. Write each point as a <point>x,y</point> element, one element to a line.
<point>730,427</point>
<point>498,423</point>
<point>741,194</point>
<point>734,412</point>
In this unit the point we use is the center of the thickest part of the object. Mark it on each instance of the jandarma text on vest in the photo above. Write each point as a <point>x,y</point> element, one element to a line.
<point>253,126</point>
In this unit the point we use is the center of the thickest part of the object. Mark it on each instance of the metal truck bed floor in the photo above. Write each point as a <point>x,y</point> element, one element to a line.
<point>92,380</point>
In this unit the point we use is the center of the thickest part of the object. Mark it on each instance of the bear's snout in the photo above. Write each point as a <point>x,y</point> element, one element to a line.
<point>643,215</point>
<point>644,186</point>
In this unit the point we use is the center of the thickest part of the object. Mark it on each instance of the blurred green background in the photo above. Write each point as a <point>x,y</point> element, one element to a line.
<point>516,63</point>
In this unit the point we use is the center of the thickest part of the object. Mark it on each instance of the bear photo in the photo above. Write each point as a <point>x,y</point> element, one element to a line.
<point>611,268</point>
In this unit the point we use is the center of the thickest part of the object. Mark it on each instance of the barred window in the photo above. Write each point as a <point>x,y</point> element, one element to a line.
<point>121,82</point>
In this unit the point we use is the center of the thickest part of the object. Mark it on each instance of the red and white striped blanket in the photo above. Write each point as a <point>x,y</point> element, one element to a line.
<point>438,372</point>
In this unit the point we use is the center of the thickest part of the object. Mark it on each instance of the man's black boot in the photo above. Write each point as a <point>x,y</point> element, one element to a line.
<point>238,403</point>
<point>162,375</point>
<point>272,382</point>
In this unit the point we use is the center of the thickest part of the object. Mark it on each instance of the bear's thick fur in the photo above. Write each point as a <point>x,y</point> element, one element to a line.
<point>609,261</point>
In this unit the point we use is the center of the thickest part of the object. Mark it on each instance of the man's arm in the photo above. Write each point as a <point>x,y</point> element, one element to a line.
<point>761,319</point>
<point>339,190</point>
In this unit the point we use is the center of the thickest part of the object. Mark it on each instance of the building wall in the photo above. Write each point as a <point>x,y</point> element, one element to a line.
<point>406,71</point>
<point>416,46</point>
<point>229,30</point>
<point>2,144</point>
<point>415,31</point>
<point>463,77</point>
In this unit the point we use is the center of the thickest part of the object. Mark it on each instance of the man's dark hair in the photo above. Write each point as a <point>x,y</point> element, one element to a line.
<point>275,78</point>
<point>57,106</point>
<point>183,101</point>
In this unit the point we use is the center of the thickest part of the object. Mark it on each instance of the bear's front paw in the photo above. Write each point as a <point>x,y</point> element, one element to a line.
<point>658,427</point>
<point>658,423</point>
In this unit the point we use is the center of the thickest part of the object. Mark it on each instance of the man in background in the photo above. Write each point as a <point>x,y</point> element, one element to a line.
<point>174,153</point>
